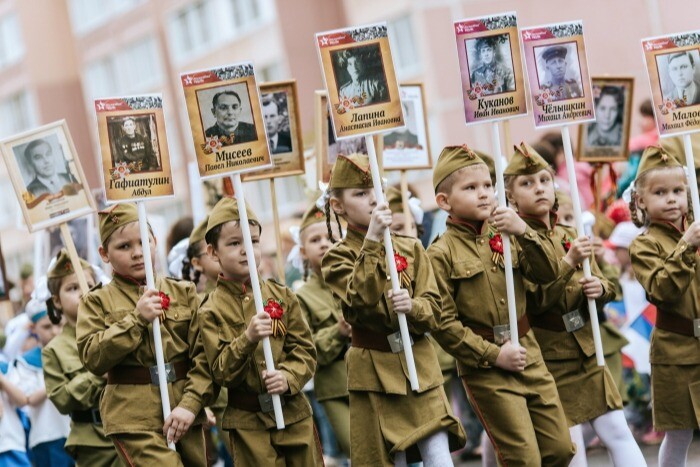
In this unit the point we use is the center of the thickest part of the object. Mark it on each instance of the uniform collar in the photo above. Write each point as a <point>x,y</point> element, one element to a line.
<point>355,234</point>
<point>128,281</point>
<point>234,286</point>
<point>474,228</point>
<point>537,224</point>
<point>668,226</point>
<point>68,330</point>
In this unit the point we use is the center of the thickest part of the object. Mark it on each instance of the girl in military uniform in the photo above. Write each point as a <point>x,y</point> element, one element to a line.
<point>389,423</point>
<point>74,390</point>
<point>665,261</point>
<point>114,336</point>
<point>232,331</point>
<point>558,314</point>
<point>197,265</point>
<point>331,333</point>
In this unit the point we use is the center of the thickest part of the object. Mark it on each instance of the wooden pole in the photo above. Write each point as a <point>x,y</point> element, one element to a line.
<point>576,201</point>
<point>692,176</point>
<point>507,138</point>
<point>74,258</point>
<point>278,233</point>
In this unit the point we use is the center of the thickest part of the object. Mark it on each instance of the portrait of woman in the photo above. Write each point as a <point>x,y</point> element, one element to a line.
<point>607,129</point>
<point>360,75</point>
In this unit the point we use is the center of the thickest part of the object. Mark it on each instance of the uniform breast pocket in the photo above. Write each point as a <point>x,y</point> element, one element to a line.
<point>469,280</point>
<point>178,319</point>
<point>114,316</point>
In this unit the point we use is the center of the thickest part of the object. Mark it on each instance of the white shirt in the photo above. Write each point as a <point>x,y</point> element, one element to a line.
<point>11,429</point>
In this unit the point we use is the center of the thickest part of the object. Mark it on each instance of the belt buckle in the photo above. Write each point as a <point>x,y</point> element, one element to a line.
<point>573,321</point>
<point>395,342</point>
<point>169,374</point>
<point>96,417</point>
<point>265,401</point>
<point>501,334</point>
<point>696,328</point>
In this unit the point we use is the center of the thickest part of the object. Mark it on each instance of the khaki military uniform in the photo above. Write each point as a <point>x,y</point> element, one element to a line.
<point>586,390</point>
<point>386,415</point>
<point>237,364</point>
<point>667,268</point>
<point>113,338</point>
<point>76,392</point>
<point>331,378</point>
<point>520,411</point>
<point>568,89</point>
<point>494,77</point>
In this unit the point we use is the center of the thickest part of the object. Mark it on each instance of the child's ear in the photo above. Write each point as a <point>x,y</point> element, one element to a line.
<point>197,264</point>
<point>103,254</point>
<point>302,250</point>
<point>211,251</point>
<point>443,202</point>
<point>337,206</point>
<point>56,302</point>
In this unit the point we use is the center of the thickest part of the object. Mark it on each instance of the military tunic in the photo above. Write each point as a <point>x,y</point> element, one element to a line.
<point>570,356</point>
<point>494,78</point>
<point>667,268</point>
<point>356,271</point>
<point>111,333</point>
<point>72,388</point>
<point>331,379</point>
<point>568,89</point>
<point>237,364</point>
<point>473,291</point>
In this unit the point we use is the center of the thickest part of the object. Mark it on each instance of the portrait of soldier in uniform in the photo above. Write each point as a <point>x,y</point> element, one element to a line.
<point>43,168</point>
<point>558,70</point>
<point>609,109</point>
<point>360,76</point>
<point>682,85</point>
<point>490,64</point>
<point>132,147</point>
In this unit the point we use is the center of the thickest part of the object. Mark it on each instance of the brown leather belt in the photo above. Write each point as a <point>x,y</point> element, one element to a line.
<point>367,339</point>
<point>553,321</point>
<point>487,333</point>
<point>250,401</point>
<point>123,374</point>
<point>673,322</point>
<point>87,416</point>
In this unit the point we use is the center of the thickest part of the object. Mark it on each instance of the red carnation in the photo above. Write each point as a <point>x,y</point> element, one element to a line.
<point>401,262</point>
<point>496,244</point>
<point>566,243</point>
<point>274,309</point>
<point>164,301</point>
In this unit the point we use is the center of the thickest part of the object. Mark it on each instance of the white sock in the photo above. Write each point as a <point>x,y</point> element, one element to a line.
<point>613,431</point>
<point>400,459</point>
<point>579,459</point>
<point>674,448</point>
<point>435,450</point>
<point>488,453</point>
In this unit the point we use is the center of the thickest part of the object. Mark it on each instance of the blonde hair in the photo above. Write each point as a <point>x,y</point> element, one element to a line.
<point>637,190</point>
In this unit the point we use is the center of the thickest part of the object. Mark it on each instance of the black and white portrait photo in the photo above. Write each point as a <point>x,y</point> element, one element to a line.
<point>359,75</point>
<point>134,142</point>
<point>679,75</point>
<point>44,167</point>
<point>227,114</point>
<point>490,64</point>
<point>345,146</point>
<point>275,111</point>
<point>559,71</point>
<point>609,104</point>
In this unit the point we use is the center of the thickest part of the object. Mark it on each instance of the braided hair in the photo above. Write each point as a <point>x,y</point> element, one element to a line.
<point>188,271</point>
<point>332,193</point>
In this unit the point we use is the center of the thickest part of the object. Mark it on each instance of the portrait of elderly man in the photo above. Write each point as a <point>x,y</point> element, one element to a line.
<point>226,108</point>
<point>491,68</point>
<point>556,65</point>
<point>365,83</point>
<point>681,70</point>
<point>133,147</point>
<point>42,162</point>
<point>607,128</point>
<point>279,138</point>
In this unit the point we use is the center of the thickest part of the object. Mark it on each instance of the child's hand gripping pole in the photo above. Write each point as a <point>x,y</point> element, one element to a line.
<point>255,283</point>
<point>157,340</point>
<point>573,185</point>
<point>507,256</point>
<point>389,250</point>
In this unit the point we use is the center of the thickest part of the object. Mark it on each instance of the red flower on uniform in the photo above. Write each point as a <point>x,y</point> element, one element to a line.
<point>164,301</point>
<point>274,309</point>
<point>566,243</point>
<point>401,262</point>
<point>496,243</point>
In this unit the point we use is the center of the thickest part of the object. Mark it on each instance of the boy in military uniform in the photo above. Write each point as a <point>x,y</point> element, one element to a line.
<point>115,339</point>
<point>72,389</point>
<point>232,331</point>
<point>331,333</point>
<point>389,423</point>
<point>509,387</point>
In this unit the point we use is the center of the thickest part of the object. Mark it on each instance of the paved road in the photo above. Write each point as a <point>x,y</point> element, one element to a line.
<point>599,457</point>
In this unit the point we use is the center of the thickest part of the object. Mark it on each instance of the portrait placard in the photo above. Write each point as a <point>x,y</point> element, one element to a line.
<point>557,68</point>
<point>225,114</point>
<point>673,65</point>
<point>280,108</point>
<point>408,148</point>
<point>359,74</point>
<point>605,140</point>
<point>327,147</point>
<point>493,86</point>
<point>46,175</point>
<point>134,148</point>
